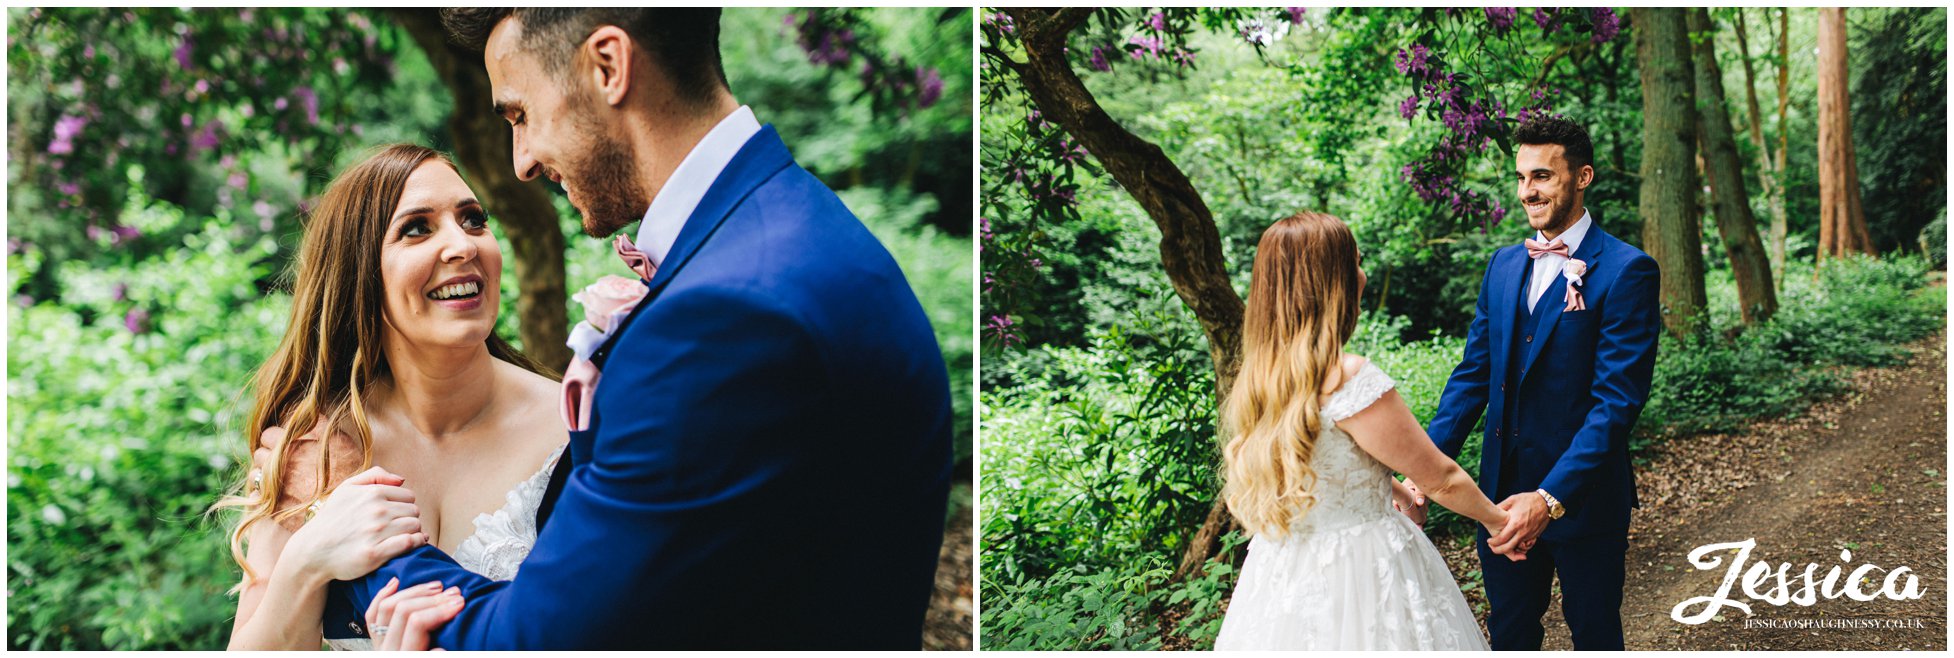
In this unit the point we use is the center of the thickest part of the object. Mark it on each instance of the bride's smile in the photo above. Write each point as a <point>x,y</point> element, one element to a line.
<point>440,264</point>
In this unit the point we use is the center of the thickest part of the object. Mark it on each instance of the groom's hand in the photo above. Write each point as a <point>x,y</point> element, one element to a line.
<point>1527,518</point>
<point>1406,498</point>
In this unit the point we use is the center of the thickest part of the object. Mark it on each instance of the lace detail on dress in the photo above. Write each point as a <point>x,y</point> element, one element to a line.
<point>1358,392</point>
<point>1351,573</point>
<point>501,540</point>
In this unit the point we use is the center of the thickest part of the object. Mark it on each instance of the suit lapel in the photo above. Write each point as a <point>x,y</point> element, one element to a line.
<point>1553,300</point>
<point>1512,276</point>
<point>763,156</point>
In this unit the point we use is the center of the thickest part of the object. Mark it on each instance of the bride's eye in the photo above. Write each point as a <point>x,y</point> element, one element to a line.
<point>474,219</point>
<point>414,228</point>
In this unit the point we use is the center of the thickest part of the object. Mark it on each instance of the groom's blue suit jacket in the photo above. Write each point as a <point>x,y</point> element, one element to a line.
<point>768,461</point>
<point>1559,389</point>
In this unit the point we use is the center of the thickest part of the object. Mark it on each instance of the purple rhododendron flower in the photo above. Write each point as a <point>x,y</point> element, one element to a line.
<point>1501,18</point>
<point>183,51</point>
<point>1296,14</point>
<point>1545,19</point>
<point>1409,108</point>
<point>66,129</point>
<point>1098,61</point>
<point>310,100</point>
<point>1157,22</point>
<point>120,292</point>
<point>206,137</point>
<point>1606,24</point>
<point>136,321</point>
<point>929,85</point>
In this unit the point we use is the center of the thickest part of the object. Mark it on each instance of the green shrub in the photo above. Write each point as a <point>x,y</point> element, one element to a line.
<point>118,441</point>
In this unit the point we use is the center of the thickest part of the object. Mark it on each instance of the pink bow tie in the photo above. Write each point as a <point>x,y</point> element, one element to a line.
<point>1536,248</point>
<point>635,259</point>
<point>1573,270</point>
<point>580,379</point>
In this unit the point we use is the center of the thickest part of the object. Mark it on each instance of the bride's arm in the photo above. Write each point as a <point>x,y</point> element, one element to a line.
<point>368,519</point>
<point>281,609</point>
<point>1388,432</point>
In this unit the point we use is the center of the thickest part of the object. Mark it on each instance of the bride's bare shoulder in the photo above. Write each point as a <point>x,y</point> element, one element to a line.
<point>299,482</point>
<point>1335,379</point>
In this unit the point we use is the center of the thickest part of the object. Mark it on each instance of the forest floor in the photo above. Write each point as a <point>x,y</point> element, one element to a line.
<point>1863,471</point>
<point>947,626</point>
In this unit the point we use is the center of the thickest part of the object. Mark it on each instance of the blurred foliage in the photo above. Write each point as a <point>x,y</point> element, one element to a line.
<point>1100,450</point>
<point>160,159</point>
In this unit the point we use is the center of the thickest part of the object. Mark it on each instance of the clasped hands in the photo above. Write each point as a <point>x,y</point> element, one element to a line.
<point>1526,518</point>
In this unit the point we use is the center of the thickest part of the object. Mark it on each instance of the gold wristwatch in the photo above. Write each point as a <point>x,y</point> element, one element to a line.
<point>1554,508</point>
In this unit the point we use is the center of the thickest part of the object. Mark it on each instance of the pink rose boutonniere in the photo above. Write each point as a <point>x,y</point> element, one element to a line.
<point>1573,270</point>
<point>609,299</point>
<point>605,303</point>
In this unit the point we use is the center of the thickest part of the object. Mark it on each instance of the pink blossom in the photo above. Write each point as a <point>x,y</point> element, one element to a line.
<point>609,299</point>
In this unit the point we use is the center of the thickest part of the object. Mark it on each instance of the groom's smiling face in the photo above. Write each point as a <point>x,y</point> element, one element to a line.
<point>557,133</point>
<point>1549,190</point>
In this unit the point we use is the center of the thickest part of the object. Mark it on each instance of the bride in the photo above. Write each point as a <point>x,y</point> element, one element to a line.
<point>1316,435</point>
<point>391,354</point>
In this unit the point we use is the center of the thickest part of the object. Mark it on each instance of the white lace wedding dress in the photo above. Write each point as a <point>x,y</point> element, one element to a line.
<point>1353,573</point>
<point>502,538</point>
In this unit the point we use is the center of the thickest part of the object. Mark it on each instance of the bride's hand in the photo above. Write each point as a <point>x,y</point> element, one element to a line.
<point>367,520</point>
<point>1406,498</point>
<point>1497,523</point>
<point>404,619</point>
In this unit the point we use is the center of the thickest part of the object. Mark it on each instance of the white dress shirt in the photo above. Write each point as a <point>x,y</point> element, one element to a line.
<point>689,182</point>
<point>1547,267</point>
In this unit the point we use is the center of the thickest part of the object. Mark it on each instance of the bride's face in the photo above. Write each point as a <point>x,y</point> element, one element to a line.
<point>439,265</point>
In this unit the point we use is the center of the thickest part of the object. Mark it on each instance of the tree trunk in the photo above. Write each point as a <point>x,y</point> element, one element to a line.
<point>1841,218</point>
<point>1735,223</point>
<point>522,209</point>
<point>1670,233</point>
<point>1765,177</point>
<point>1780,223</point>
<point>1190,243</point>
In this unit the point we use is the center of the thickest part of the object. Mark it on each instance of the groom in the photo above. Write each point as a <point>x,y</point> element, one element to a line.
<point>765,460</point>
<point>1558,359</point>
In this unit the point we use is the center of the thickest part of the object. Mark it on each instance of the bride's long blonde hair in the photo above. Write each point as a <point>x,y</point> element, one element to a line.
<point>1302,307</point>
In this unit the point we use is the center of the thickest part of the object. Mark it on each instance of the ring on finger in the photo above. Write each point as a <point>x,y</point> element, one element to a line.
<point>379,631</point>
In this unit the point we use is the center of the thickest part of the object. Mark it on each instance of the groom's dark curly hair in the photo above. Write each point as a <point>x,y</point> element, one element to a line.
<point>1572,138</point>
<point>682,41</point>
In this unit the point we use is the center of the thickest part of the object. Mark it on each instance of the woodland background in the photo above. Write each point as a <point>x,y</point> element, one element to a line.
<point>1785,167</point>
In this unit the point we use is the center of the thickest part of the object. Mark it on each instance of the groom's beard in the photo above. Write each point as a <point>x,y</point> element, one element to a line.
<point>607,190</point>
<point>1559,214</point>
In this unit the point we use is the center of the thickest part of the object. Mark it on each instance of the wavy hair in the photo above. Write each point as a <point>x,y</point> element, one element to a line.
<point>1302,307</point>
<point>331,354</point>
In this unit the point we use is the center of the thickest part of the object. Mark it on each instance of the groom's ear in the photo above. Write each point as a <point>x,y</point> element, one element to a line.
<point>1584,178</point>
<point>609,52</point>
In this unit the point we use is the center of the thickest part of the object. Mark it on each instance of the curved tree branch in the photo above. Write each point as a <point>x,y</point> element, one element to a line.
<point>1190,243</point>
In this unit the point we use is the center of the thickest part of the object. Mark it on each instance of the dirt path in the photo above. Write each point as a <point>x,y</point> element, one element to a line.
<point>1863,472</point>
<point>947,625</point>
